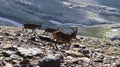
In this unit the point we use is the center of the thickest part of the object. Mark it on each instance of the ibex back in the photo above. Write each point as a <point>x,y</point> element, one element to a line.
<point>50,30</point>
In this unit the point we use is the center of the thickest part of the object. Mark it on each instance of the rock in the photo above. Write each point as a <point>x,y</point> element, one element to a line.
<point>23,40</point>
<point>25,62</point>
<point>85,52</point>
<point>8,65</point>
<point>81,38</point>
<point>6,53</point>
<point>34,39</point>
<point>23,65</point>
<point>14,57</point>
<point>110,59</point>
<point>11,38</point>
<point>98,60</point>
<point>14,62</point>
<point>82,46</point>
<point>107,65</point>
<point>13,48</point>
<point>98,57</point>
<point>1,36</point>
<point>117,65</point>
<point>29,51</point>
<point>78,45</point>
<point>16,65</point>
<point>7,34</point>
<point>84,59</point>
<point>19,34</point>
<point>5,46</point>
<point>72,60</point>
<point>1,45</point>
<point>1,55</point>
<point>99,50</point>
<point>74,53</point>
<point>8,59</point>
<point>30,65</point>
<point>50,61</point>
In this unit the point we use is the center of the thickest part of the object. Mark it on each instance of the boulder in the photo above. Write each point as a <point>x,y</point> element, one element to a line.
<point>1,36</point>
<point>6,53</point>
<point>8,65</point>
<point>85,52</point>
<point>29,51</point>
<point>5,46</point>
<point>50,61</point>
<point>74,53</point>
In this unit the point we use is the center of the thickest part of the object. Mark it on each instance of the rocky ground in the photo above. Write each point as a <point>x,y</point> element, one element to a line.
<point>26,49</point>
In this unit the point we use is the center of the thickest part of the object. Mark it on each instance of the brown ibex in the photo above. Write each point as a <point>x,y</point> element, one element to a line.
<point>31,26</point>
<point>63,37</point>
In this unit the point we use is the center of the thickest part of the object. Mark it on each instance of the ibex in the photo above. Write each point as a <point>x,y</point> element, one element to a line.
<point>31,26</point>
<point>50,30</point>
<point>63,37</point>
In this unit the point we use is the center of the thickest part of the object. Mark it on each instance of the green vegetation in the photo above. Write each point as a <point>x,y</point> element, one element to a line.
<point>98,32</point>
<point>115,17</point>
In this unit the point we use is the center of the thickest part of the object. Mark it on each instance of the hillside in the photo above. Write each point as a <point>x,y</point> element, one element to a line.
<point>60,12</point>
<point>21,49</point>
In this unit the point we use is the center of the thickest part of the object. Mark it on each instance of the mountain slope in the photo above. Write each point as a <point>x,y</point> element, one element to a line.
<point>84,12</point>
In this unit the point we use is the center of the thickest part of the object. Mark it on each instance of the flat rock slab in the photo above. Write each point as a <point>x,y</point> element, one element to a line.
<point>29,51</point>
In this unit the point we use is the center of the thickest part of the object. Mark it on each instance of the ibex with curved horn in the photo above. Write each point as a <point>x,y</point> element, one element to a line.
<point>63,37</point>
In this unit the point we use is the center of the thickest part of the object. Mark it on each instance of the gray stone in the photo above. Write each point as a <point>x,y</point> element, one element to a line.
<point>7,34</point>
<point>24,40</point>
<point>85,52</point>
<point>14,57</point>
<point>7,46</point>
<point>29,51</point>
<point>78,45</point>
<point>6,53</point>
<point>11,38</point>
<point>34,39</point>
<point>8,65</point>
<point>19,34</point>
<point>1,36</point>
<point>99,50</point>
<point>82,46</point>
<point>50,61</point>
